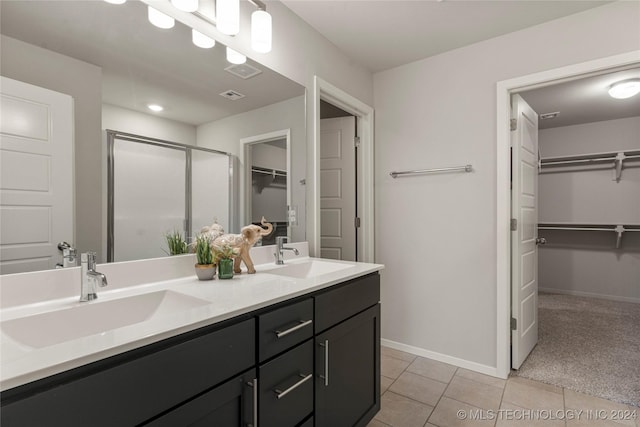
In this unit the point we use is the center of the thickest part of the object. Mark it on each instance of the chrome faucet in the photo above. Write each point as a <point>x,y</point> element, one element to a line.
<point>69,256</point>
<point>90,277</point>
<point>280,249</point>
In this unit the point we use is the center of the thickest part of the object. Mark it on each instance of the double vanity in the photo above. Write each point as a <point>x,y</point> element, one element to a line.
<point>292,345</point>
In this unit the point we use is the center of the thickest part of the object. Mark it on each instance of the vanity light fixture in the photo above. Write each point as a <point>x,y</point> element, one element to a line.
<point>155,107</point>
<point>261,31</point>
<point>116,1</point>
<point>625,89</point>
<point>228,16</point>
<point>185,5</point>
<point>235,57</point>
<point>201,40</point>
<point>160,19</point>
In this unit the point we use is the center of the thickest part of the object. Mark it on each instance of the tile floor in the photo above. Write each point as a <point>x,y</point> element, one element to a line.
<point>422,392</point>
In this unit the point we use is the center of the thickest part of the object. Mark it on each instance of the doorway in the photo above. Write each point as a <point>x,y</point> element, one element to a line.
<point>505,90</point>
<point>324,91</point>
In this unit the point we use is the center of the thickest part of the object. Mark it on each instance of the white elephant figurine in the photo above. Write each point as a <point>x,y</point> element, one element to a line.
<point>243,242</point>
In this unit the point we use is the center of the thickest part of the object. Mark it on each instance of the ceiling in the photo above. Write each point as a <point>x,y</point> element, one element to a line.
<point>140,63</point>
<point>382,34</point>
<point>584,100</point>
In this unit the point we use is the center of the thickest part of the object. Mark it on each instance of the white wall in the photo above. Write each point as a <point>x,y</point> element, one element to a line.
<point>83,81</point>
<point>587,263</point>
<point>436,234</point>
<point>125,120</point>
<point>226,134</point>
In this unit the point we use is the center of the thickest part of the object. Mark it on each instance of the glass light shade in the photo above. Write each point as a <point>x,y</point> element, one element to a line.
<point>160,19</point>
<point>185,5</point>
<point>115,1</point>
<point>155,107</point>
<point>235,57</point>
<point>201,40</point>
<point>228,16</point>
<point>625,89</point>
<point>208,9</point>
<point>261,31</point>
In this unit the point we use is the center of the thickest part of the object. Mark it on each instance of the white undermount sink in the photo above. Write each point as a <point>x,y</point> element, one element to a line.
<point>311,268</point>
<point>85,319</point>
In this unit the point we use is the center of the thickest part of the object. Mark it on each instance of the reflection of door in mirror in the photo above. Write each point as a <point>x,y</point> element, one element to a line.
<point>267,182</point>
<point>36,142</point>
<point>158,187</point>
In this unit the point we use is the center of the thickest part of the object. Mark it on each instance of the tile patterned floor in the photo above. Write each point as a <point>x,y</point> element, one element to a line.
<point>422,392</point>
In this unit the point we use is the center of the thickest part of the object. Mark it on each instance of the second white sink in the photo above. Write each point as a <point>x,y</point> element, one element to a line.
<point>306,269</point>
<point>43,330</point>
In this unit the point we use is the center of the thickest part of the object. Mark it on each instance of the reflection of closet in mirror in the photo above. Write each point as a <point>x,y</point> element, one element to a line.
<point>156,187</point>
<point>267,182</point>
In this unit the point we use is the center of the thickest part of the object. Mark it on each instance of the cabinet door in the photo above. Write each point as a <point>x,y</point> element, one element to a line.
<point>232,404</point>
<point>348,371</point>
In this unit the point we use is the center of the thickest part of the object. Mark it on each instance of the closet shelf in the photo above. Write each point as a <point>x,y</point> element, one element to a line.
<point>617,157</point>
<point>273,172</point>
<point>619,229</point>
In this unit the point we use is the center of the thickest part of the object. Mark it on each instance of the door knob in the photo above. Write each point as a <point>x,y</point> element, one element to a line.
<point>541,241</point>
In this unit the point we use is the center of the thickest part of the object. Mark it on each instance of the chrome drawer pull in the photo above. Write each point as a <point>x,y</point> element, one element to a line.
<point>254,385</point>
<point>325,377</point>
<point>302,324</point>
<point>280,394</point>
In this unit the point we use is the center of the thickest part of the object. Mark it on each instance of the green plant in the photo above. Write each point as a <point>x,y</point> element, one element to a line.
<point>224,252</point>
<point>176,243</point>
<point>204,254</point>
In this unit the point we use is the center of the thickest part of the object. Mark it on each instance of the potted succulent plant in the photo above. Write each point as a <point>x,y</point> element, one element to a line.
<point>224,257</point>
<point>205,267</point>
<point>176,243</point>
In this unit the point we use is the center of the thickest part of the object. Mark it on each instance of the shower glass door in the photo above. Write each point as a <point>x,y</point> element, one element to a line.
<point>149,198</point>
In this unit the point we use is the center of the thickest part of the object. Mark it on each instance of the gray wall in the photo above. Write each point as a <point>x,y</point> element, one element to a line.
<point>587,263</point>
<point>82,81</point>
<point>436,234</point>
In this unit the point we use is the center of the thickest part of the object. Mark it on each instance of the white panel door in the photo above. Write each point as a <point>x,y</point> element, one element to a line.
<point>338,188</point>
<point>524,253</point>
<point>36,176</point>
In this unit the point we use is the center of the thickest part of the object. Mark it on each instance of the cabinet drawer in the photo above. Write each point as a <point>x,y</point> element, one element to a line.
<point>342,302</point>
<point>138,389</point>
<point>284,328</point>
<point>286,387</point>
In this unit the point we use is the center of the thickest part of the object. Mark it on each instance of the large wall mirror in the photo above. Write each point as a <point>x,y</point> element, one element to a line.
<point>114,63</point>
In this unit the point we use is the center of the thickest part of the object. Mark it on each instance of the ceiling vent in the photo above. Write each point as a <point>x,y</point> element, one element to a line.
<point>549,116</point>
<point>244,71</point>
<point>232,95</point>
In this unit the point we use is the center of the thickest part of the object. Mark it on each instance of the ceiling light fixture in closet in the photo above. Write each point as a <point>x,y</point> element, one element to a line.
<point>155,107</point>
<point>625,89</point>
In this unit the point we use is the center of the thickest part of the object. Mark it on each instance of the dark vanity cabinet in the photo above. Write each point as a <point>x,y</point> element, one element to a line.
<point>310,361</point>
<point>348,354</point>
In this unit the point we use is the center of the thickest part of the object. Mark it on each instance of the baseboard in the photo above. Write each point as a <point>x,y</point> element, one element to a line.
<point>589,294</point>
<point>461,363</point>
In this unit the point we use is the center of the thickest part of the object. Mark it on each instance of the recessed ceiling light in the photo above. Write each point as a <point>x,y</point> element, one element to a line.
<point>625,89</point>
<point>155,107</point>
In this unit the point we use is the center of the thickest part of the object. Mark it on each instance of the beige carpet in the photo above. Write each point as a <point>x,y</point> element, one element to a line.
<point>588,345</point>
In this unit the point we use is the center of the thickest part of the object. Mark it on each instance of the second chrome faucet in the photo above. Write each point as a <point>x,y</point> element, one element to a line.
<point>90,277</point>
<point>279,255</point>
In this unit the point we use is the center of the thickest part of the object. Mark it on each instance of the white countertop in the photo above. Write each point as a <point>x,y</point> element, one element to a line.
<point>21,364</point>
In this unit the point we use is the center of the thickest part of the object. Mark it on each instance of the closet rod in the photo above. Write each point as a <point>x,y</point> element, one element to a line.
<point>272,173</point>
<point>465,168</point>
<point>599,159</point>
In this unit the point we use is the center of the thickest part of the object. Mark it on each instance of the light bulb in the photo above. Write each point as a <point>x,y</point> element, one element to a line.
<point>235,57</point>
<point>185,5</point>
<point>228,16</point>
<point>115,1</point>
<point>160,19</point>
<point>261,31</point>
<point>625,89</point>
<point>201,40</point>
<point>155,107</point>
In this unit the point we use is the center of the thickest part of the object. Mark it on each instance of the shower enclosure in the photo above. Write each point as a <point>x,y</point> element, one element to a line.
<point>156,187</point>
